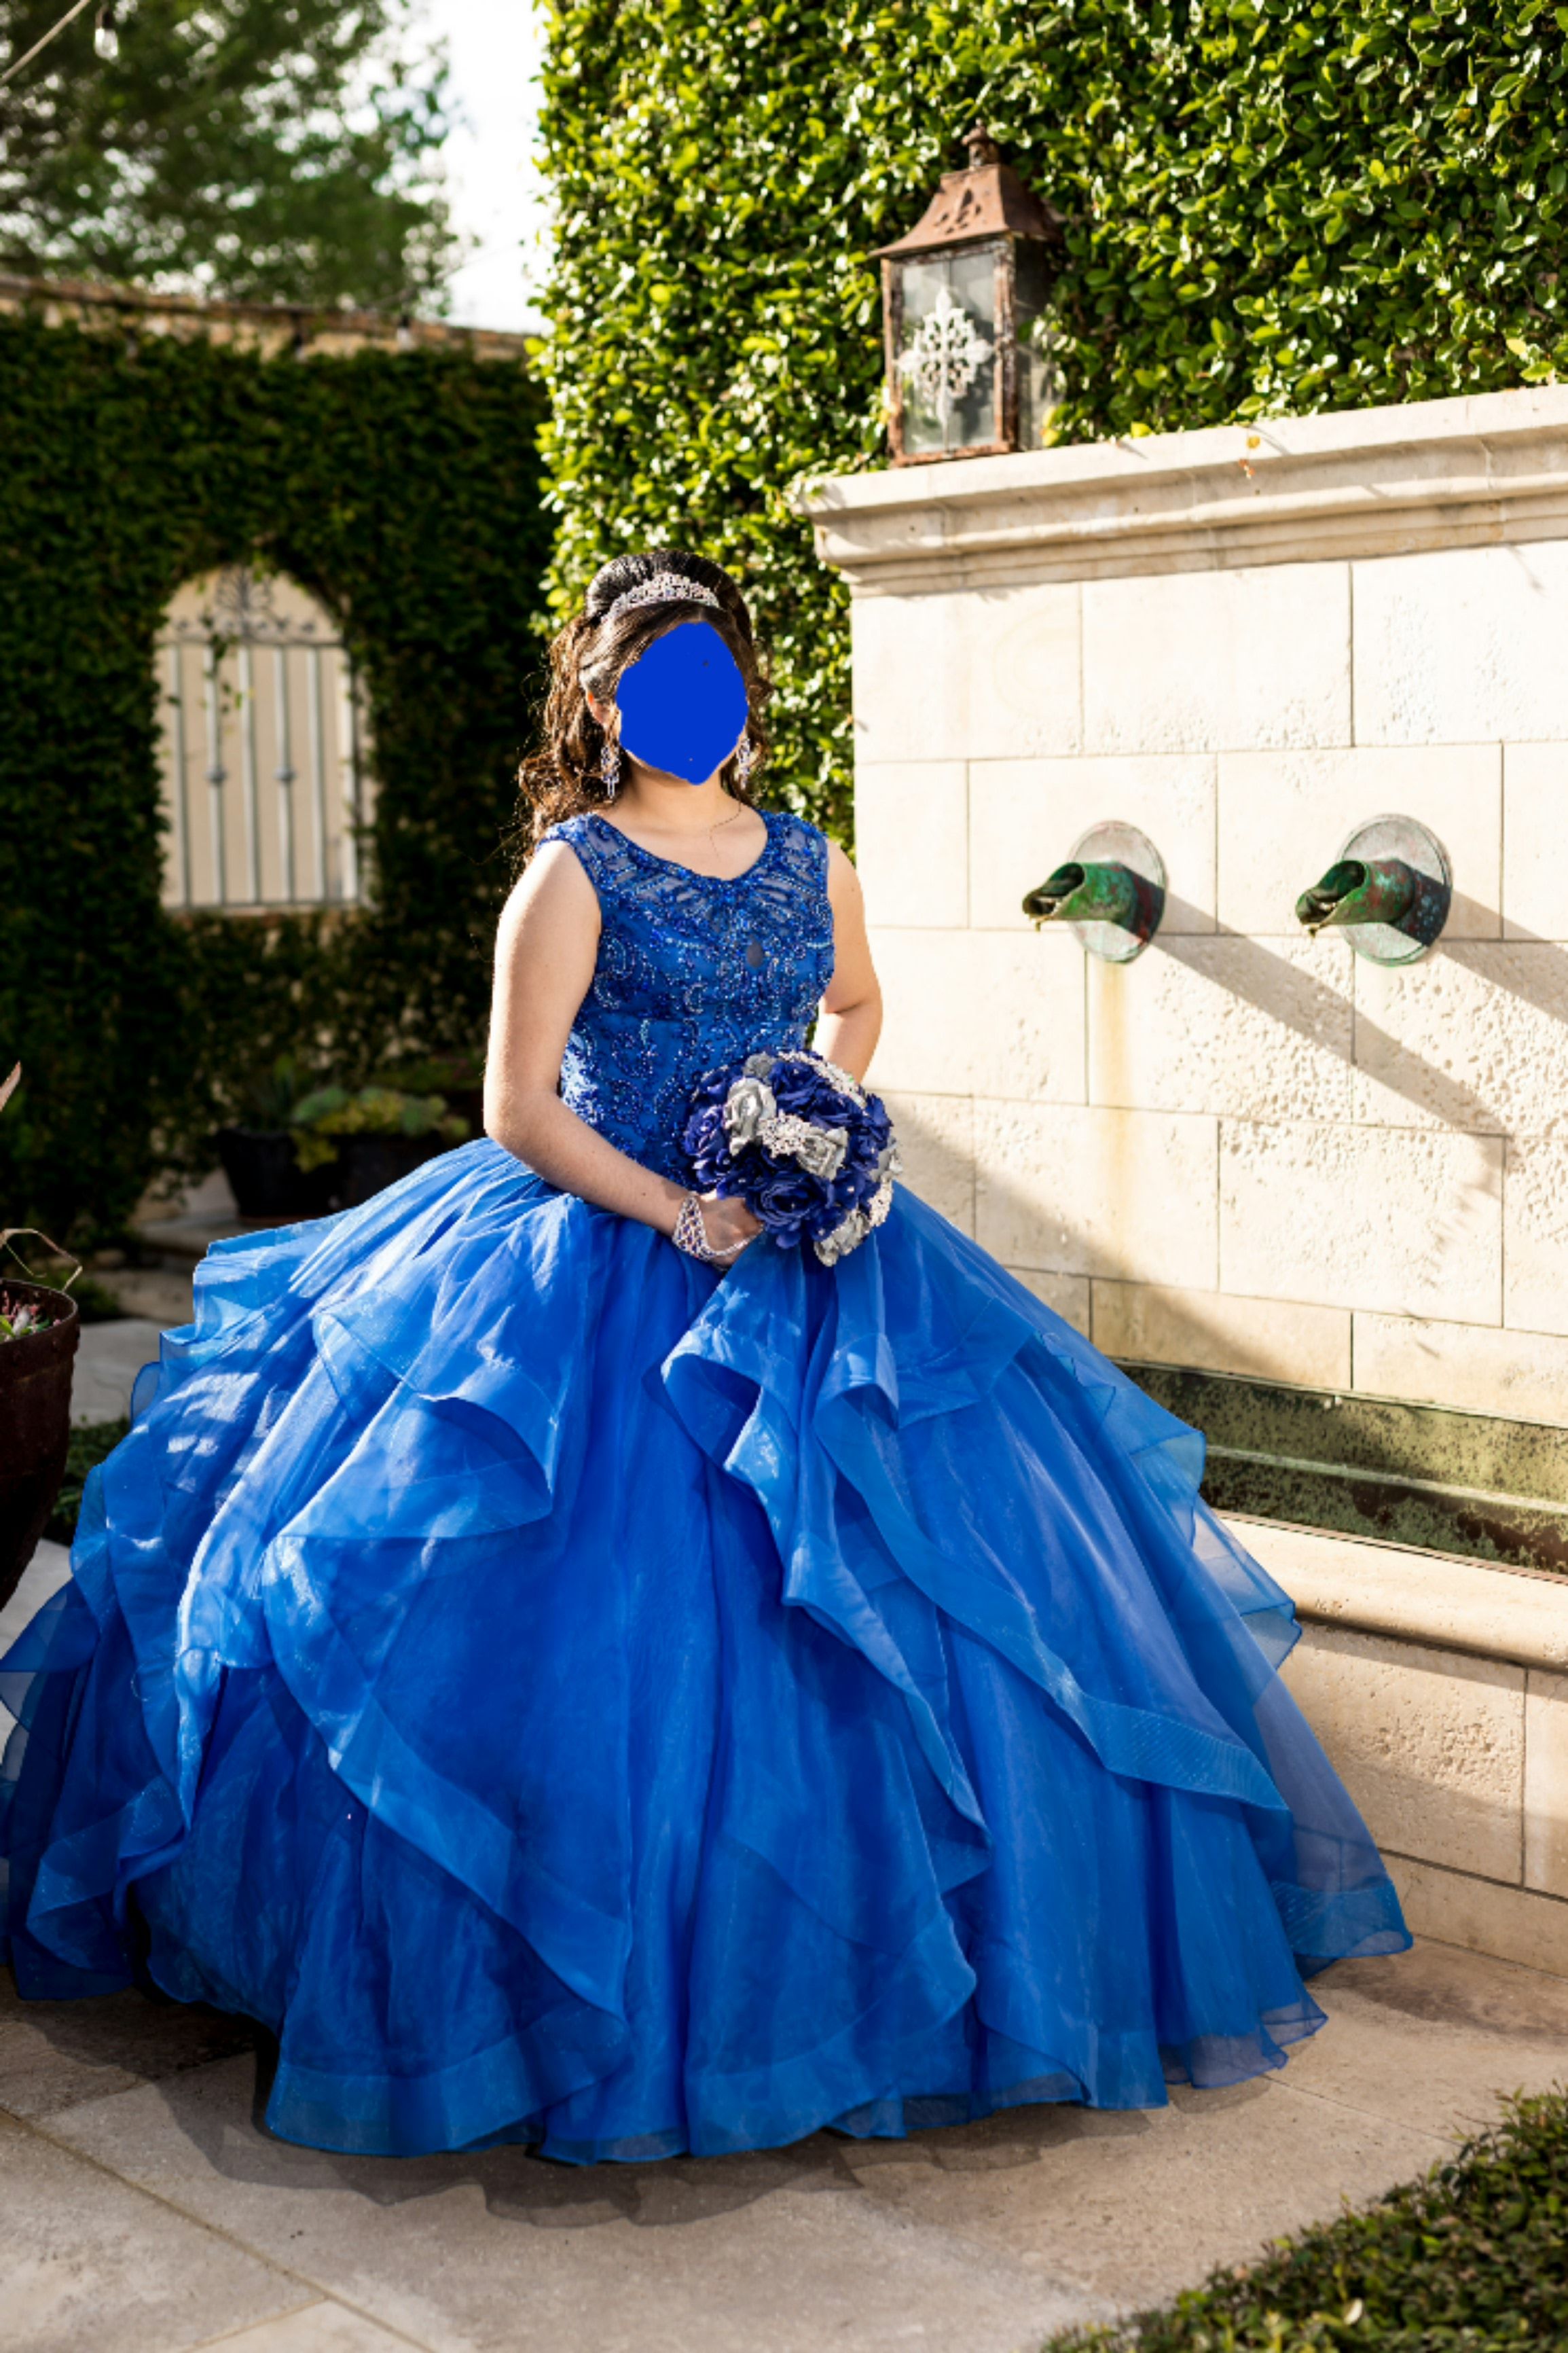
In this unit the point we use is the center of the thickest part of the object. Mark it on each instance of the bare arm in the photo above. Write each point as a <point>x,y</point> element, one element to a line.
<point>545,949</point>
<point>852,1003</point>
<point>545,952</point>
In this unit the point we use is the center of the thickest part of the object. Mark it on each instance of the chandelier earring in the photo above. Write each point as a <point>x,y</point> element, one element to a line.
<point>610,766</point>
<point>743,762</point>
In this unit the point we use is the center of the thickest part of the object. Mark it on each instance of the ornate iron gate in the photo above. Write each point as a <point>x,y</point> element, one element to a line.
<point>264,771</point>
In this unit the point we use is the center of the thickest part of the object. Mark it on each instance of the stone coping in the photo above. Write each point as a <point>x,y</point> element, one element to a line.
<point>1521,1615</point>
<point>1486,470</point>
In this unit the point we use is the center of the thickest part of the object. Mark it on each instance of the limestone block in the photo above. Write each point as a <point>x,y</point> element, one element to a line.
<point>1430,1744</point>
<point>1462,645</point>
<point>1546,1783</point>
<point>1066,1294</point>
<point>1399,1593</point>
<point>1218,662</point>
<point>1535,827</point>
<point>911,841</point>
<point>936,1144</point>
<point>1258,1027</point>
<point>1535,1234</point>
<point>1399,1220</point>
<point>991,675</point>
<point>1475,1036</point>
<point>1080,1191</point>
<point>1268,1339</point>
<point>980,1013</point>
<point>1283,816</point>
<point>1476,1368</point>
<point>1026,815</point>
<point>1517,1924</point>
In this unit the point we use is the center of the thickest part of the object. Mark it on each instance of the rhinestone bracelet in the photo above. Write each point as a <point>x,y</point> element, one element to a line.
<point>690,1235</point>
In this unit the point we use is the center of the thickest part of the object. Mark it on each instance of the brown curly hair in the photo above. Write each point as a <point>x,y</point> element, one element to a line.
<point>562,776</point>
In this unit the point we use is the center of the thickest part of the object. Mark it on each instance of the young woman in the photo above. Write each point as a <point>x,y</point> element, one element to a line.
<point>634,1698</point>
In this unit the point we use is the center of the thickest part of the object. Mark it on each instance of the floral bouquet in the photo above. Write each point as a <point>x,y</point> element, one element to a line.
<point>806,1148</point>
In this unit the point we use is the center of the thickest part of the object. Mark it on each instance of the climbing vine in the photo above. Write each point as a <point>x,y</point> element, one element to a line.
<point>1270,207</point>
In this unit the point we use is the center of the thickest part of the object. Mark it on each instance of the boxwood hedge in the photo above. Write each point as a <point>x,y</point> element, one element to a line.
<point>1473,2258</point>
<point>402,488</point>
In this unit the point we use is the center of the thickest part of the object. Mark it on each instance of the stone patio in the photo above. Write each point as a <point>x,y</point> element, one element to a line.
<point>145,2212</point>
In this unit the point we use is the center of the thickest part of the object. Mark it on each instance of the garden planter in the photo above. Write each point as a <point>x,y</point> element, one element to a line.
<point>267,1180</point>
<point>35,1424</point>
<point>368,1164</point>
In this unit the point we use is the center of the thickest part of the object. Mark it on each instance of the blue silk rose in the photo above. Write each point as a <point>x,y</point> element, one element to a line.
<point>808,1150</point>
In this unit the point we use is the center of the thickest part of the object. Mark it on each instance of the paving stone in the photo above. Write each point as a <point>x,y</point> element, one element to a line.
<point>162,1295</point>
<point>1129,2210</point>
<point>778,2252</point>
<point>94,2266</point>
<point>1434,2037</point>
<point>55,2054</point>
<point>108,1359</point>
<point>319,2328</point>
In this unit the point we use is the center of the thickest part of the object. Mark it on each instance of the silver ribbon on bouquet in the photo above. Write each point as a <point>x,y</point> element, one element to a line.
<point>752,1115</point>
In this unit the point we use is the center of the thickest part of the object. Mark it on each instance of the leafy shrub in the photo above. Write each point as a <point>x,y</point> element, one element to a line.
<point>321,1118</point>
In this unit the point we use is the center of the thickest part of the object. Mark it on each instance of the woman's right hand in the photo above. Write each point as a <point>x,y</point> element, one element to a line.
<point>726,1222</point>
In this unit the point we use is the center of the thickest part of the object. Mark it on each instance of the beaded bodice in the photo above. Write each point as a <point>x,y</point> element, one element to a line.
<point>692,972</point>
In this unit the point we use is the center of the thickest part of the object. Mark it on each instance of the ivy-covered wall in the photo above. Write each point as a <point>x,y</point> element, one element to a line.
<point>1271,206</point>
<point>402,488</point>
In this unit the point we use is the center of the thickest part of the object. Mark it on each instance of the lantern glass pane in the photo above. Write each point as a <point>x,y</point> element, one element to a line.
<point>1041,385</point>
<point>947,352</point>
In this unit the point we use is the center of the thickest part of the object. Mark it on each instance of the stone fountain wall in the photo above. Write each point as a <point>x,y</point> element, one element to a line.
<point>1249,1151</point>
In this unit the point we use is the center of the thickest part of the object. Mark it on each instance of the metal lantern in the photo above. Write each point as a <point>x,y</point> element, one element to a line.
<point>972,367</point>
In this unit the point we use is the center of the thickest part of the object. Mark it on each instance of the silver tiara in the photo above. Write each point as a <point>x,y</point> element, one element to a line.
<point>664,588</point>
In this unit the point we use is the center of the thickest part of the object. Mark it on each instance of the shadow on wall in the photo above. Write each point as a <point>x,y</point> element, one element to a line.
<point>1115,1238</point>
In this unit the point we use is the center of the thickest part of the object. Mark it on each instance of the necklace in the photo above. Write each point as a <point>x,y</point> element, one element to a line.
<point>722,823</point>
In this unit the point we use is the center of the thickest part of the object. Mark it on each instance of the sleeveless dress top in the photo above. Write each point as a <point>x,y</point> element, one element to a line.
<point>692,972</point>
<point>569,1698</point>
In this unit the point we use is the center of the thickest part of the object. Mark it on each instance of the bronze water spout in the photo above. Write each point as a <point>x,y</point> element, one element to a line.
<point>1359,891</point>
<point>1110,892</point>
<point>1390,888</point>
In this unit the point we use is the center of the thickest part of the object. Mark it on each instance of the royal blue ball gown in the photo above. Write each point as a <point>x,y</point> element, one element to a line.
<point>570,1699</point>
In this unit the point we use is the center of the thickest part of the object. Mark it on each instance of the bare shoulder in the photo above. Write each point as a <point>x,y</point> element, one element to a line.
<point>842,882</point>
<point>552,891</point>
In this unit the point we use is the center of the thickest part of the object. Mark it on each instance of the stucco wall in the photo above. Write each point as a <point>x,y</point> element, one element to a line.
<point>1249,1151</point>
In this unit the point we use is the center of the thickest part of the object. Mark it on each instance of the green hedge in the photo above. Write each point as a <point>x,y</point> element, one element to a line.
<point>1474,2255</point>
<point>403,489</point>
<point>1271,206</point>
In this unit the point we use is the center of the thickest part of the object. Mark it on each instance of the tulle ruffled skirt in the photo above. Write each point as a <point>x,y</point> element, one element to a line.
<point>571,1700</point>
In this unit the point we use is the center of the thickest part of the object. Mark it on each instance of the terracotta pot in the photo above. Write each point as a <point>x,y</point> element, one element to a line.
<point>34,1423</point>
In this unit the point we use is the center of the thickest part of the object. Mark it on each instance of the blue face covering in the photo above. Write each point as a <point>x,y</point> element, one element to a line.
<point>683,703</point>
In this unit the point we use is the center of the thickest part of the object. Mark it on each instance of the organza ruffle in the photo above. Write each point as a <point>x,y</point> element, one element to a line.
<point>566,1699</point>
